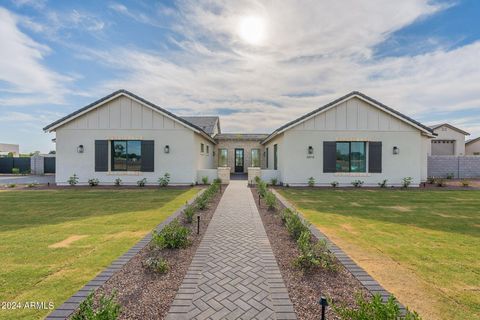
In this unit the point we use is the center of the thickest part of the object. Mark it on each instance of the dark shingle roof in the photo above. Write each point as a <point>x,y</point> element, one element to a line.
<point>351,94</point>
<point>450,126</point>
<point>207,123</point>
<point>242,136</point>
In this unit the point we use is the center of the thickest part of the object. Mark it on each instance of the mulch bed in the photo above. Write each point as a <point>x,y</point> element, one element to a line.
<point>25,187</point>
<point>144,294</point>
<point>306,288</point>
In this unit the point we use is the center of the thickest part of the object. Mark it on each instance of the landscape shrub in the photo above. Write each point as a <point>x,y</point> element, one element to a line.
<point>311,181</point>
<point>262,188</point>
<point>106,309</point>
<point>406,182</point>
<point>465,183</point>
<point>172,236</point>
<point>450,175</point>
<point>205,180</point>
<point>295,225</point>
<point>165,180</point>
<point>32,185</point>
<point>73,180</point>
<point>11,185</point>
<point>334,184</point>
<point>270,200</point>
<point>142,182</point>
<point>93,182</point>
<point>440,182</point>
<point>383,184</point>
<point>357,183</point>
<point>313,254</point>
<point>15,170</point>
<point>217,181</point>
<point>189,212</point>
<point>273,181</point>
<point>431,180</point>
<point>257,179</point>
<point>373,309</point>
<point>201,202</point>
<point>156,264</point>
<point>118,182</point>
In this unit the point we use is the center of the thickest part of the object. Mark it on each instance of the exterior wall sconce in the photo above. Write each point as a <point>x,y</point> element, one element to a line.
<point>310,150</point>
<point>80,148</point>
<point>396,150</point>
<point>166,149</point>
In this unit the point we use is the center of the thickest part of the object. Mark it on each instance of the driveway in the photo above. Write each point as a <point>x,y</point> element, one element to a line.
<point>6,179</point>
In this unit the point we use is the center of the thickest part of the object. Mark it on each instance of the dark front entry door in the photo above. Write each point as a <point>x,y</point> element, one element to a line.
<point>239,160</point>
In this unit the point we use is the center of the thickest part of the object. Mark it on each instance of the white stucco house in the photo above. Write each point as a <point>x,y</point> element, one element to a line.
<point>472,147</point>
<point>449,140</point>
<point>352,138</point>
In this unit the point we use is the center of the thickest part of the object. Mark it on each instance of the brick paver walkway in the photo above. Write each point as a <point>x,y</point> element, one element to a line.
<point>234,274</point>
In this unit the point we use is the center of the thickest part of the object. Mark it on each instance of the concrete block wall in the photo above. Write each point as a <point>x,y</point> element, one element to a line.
<point>459,166</point>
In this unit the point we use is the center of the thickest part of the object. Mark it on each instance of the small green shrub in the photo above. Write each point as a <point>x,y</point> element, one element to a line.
<point>217,181</point>
<point>142,182</point>
<point>271,200</point>
<point>431,180</point>
<point>311,181</point>
<point>465,183</point>
<point>262,188</point>
<point>156,264</point>
<point>357,183</point>
<point>11,185</point>
<point>73,180</point>
<point>450,176</point>
<point>205,180</point>
<point>189,212</point>
<point>202,202</point>
<point>118,182</point>
<point>93,182</point>
<point>15,170</point>
<point>406,182</point>
<point>440,182</point>
<point>313,254</point>
<point>295,225</point>
<point>165,180</point>
<point>106,309</point>
<point>383,184</point>
<point>257,179</point>
<point>172,236</point>
<point>273,181</point>
<point>373,309</point>
<point>334,184</point>
<point>32,185</point>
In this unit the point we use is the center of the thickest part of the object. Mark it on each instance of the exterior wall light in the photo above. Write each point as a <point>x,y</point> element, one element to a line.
<point>166,149</point>
<point>396,150</point>
<point>310,150</point>
<point>80,148</point>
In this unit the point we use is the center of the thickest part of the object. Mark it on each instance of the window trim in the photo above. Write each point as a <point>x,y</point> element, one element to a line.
<point>202,148</point>
<point>112,156</point>
<point>226,157</point>
<point>251,157</point>
<point>350,156</point>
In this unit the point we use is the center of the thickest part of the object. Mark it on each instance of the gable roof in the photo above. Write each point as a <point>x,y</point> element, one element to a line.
<point>363,97</point>
<point>450,126</point>
<point>122,92</point>
<point>473,140</point>
<point>207,123</point>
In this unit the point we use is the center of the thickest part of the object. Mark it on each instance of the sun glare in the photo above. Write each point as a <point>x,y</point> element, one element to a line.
<point>252,29</point>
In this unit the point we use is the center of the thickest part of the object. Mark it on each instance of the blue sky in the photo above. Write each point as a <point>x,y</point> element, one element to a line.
<point>258,64</point>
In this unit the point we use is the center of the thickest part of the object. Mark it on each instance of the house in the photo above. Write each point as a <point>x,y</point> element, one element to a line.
<point>9,149</point>
<point>450,140</point>
<point>472,147</point>
<point>352,138</point>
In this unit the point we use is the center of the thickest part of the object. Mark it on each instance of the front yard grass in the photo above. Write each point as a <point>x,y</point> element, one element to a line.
<point>423,246</point>
<point>53,242</point>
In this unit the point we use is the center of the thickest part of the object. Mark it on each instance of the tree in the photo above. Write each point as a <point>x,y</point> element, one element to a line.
<point>52,152</point>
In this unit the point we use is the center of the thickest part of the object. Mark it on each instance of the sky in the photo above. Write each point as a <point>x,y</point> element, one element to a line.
<point>257,64</point>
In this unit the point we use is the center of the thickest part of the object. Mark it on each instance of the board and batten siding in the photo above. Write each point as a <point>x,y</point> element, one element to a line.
<point>353,120</point>
<point>125,119</point>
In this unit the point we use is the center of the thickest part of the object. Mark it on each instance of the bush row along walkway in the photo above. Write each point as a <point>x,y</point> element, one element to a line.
<point>234,274</point>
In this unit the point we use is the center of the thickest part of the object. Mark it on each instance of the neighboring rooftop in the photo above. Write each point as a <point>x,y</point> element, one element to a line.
<point>436,126</point>
<point>473,140</point>
<point>207,123</point>
<point>242,136</point>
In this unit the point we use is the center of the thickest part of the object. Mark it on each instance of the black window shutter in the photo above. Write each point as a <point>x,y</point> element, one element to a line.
<point>101,155</point>
<point>329,156</point>
<point>375,157</point>
<point>148,156</point>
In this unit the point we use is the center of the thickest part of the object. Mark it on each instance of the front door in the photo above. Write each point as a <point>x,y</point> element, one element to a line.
<point>239,160</point>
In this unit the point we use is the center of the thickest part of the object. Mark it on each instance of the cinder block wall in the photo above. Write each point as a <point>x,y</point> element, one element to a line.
<point>460,167</point>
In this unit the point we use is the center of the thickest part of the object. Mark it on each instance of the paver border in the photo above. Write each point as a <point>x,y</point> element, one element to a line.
<point>68,307</point>
<point>367,281</point>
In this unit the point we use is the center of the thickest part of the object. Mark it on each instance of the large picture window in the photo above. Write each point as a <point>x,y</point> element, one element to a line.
<point>126,155</point>
<point>222,157</point>
<point>351,157</point>
<point>255,157</point>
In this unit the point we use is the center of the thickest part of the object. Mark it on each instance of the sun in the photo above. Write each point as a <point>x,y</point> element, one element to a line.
<point>252,29</point>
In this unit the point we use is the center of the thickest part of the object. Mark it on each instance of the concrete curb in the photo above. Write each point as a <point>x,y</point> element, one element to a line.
<point>68,307</point>
<point>361,275</point>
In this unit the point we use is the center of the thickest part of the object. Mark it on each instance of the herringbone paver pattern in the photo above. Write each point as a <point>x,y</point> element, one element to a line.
<point>234,274</point>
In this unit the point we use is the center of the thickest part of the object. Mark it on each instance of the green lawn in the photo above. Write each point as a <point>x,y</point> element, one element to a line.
<point>424,246</point>
<point>37,264</point>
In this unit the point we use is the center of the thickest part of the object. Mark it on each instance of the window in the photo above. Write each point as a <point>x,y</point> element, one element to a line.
<point>126,155</point>
<point>222,157</point>
<point>275,159</point>
<point>351,157</point>
<point>208,149</point>
<point>266,158</point>
<point>202,148</point>
<point>255,157</point>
